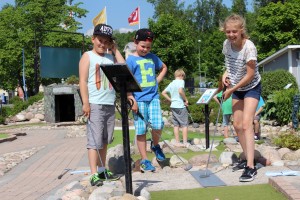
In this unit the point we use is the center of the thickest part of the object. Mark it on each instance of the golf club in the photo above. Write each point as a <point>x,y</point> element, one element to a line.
<point>187,167</point>
<point>205,175</point>
<point>195,125</point>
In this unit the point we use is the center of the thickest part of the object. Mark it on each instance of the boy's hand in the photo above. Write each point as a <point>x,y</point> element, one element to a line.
<point>86,109</point>
<point>186,103</point>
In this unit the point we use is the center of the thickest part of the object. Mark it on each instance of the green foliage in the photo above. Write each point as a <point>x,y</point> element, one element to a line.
<point>27,20</point>
<point>19,105</point>
<point>2,121</point>
<point>277,25</point>
<point>288,140</point>
<point>72,80</point>
<point>176,49</point>
<point>276,80</point>
<point>279,106</point>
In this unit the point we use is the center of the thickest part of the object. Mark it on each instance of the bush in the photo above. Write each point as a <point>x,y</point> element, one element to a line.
<point>72,80</point>
<point>279,106</point>
<point>288,140</point>
<point>19,105</point>
<point>275,81</point>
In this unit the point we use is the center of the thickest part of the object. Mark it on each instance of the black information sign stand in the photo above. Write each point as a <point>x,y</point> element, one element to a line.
<point>295,111</point>
<point>123,81</point>
<point>205,99</point>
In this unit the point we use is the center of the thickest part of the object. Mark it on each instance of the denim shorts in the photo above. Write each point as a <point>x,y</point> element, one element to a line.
<point>254,93</point>
<point>226,119</point>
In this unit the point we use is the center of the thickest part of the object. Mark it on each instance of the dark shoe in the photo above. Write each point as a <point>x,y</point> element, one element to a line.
<point>160,156</point>
<point>248,174</point>
<point>107,175</point>
<point>240,166</point>
<point>95,180</point>
<point>146,165</point>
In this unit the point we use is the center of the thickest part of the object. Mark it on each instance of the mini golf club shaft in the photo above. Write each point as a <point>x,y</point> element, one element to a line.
<point>195,125</point>
<point>212,142</point>
<point>148,124</point>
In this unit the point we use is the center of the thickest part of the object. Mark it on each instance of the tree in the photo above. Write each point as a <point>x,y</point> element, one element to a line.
<point>277,26</point>
<point>239,7</point>
<point>171,7</point>
<point>174,43</point>
<point>21,24</point>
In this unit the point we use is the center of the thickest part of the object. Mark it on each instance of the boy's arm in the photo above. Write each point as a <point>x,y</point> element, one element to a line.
<point>183,96</point>
<point>118,56</point>
<point>164,93</point>
<point>259,111</point>
<point>216,99</point>
<point>131,99</point>
<point>83,79</point>
<point>163,72</point>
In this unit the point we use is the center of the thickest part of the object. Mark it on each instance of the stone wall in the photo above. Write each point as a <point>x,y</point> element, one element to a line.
<point>51,104</point>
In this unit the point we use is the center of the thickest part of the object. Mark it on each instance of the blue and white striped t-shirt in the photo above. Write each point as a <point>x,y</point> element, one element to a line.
<point>235,62</point>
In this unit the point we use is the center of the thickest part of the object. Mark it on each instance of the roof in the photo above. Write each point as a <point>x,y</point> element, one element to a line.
<point>277,54</point>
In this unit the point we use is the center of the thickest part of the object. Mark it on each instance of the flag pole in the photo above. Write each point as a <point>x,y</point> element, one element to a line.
<point>105,15</point>
<point>139,17</point>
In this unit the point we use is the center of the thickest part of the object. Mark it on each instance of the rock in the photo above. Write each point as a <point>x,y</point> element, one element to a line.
<point>283,151</point>
<point>176,162</point>
<point>228,158</point>
<point>290,156</point>
<point>202,159</point>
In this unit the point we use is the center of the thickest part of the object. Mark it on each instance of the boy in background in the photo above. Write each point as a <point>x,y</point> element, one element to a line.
<point>143,66</point>
<point>179,102</point>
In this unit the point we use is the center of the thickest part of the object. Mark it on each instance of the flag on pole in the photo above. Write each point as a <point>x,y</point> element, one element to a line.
<point>134,17</point>
<point>100,18</point>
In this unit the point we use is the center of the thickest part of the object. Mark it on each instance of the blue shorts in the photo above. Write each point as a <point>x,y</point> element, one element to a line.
<point>226,119</point>
<point>254,93</point>
<point>152,113</point>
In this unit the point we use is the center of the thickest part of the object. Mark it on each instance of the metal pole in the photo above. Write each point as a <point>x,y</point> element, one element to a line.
<point>199,61</point>
<point>206,111</point>
<point>126,139</point>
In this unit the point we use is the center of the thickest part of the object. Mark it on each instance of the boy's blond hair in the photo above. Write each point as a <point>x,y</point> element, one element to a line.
<point>179,72</point>
<point>235,18</point>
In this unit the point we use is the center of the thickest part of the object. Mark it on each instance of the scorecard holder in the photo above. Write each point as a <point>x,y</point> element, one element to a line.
<point>123,81</point>
<point>205,99</point>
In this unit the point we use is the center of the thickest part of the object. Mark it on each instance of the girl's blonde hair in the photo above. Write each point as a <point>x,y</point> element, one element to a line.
<point>235,18</point>
<point>179,72</point>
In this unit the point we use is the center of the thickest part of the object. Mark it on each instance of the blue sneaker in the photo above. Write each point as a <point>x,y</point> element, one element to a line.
<point>146,165</point>
<point>160,156</point>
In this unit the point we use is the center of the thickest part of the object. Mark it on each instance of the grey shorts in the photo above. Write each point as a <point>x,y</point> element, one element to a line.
<point>180,117</point>
<point>100,126</point>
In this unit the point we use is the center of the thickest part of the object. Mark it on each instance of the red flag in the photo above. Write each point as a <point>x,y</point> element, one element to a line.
<point>134,18</point>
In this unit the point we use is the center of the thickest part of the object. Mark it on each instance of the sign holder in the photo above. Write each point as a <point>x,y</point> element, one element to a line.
<point>123,81</point>
<point>205,99</point>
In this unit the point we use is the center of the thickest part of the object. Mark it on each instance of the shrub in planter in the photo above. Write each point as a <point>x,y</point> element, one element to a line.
<point>279,106</point>
<point>275,81</point>
<point>288,140</point>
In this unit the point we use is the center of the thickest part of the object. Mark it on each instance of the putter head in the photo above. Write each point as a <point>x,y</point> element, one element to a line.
<point>196,125</point>
<point>188,167</point>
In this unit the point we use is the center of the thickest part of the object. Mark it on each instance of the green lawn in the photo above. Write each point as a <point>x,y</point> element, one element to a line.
<point>3,135</point>
<point>168,135</point>
<point>251,192</point>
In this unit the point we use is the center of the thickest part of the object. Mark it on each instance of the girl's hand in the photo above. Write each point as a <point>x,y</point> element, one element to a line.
<point>226,94</point>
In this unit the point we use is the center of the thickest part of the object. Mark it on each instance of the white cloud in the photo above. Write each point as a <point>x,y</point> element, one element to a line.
<point>126,30</point>
<point>89,32</point>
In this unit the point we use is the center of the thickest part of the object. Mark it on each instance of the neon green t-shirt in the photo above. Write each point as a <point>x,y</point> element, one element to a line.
<point>227,105</point>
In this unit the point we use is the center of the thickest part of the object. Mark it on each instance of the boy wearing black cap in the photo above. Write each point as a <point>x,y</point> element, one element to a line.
<point>98,97</point>
<point>144,65</point>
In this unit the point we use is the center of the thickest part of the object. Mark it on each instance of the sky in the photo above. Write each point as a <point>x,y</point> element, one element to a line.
<point>117,12</point>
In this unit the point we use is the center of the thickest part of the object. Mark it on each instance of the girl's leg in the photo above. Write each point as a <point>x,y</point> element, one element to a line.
<point>176,133</point>
<point>248,116</point>
<point>237,109</point>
